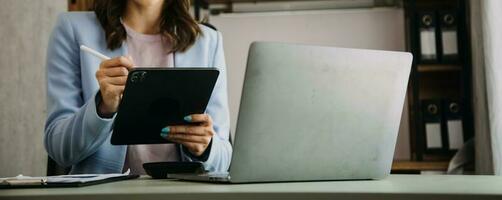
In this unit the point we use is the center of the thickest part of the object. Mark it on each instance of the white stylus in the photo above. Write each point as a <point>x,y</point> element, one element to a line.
<point>94,52</point>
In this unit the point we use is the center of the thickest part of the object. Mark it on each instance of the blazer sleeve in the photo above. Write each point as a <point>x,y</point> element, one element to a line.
<point>73,130</point>
<point>220,150</point>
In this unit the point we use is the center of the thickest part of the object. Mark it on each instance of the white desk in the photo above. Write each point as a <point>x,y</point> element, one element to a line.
<point>393,187</point>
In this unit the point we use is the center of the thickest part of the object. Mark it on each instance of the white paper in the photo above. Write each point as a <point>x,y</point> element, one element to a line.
<point>433,135</point>
<point>77,178</point>
<point>449,43</point>
<point>428,44</point>
<point>455,134</point>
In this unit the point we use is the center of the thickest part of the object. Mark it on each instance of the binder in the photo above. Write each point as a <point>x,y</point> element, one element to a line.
<point>449,36</point>
<point>432,118</point>
<point>427,36</point>
<point>454,124</point>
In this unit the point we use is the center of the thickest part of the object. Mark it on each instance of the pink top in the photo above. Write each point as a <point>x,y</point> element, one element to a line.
<point>148,51</point>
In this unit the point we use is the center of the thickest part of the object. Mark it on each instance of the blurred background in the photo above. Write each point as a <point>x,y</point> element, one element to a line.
<point>451,119</point>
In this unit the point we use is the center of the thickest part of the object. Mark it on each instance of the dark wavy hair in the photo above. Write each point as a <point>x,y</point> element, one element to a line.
<point>177,26</point>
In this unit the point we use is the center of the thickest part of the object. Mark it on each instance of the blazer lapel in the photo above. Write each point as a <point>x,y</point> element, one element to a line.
<point>180,59</point>
<point>187,59</point>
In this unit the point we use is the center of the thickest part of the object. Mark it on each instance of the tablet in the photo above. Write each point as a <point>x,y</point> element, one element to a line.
<point>158,97</point>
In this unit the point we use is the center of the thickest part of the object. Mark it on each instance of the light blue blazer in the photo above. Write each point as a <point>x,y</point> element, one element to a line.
<point>75,135</point>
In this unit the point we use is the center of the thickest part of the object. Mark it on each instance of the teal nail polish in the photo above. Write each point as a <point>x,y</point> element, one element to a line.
<point>165,130</point>
<point>163,134</point>
<point>188,118</point>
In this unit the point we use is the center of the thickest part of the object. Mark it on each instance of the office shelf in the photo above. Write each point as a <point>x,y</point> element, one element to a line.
<point>419,166</point>
<point>439,68</point>
<point>441,79</point>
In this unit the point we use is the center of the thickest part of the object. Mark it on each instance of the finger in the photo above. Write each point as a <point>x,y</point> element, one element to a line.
<point>117,81</point>
<point>130,58</point>
<point>201,118</point>
<point>118,61</point>
<point>192,146</point>
<point>189,138</point>
<point>187,129</point>
<point>116,71</point>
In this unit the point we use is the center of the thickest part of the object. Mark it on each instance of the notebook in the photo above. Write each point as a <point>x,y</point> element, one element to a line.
<point>77,180</point>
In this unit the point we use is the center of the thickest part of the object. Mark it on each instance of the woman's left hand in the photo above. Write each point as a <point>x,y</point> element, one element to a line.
<point>195,137</point>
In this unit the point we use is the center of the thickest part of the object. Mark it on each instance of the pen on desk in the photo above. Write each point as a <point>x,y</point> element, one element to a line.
<point>93,52</point>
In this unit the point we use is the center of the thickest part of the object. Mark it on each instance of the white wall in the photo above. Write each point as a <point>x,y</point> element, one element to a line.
<point>378,28</point>
<point>25,26</point>
<point>482,136</point>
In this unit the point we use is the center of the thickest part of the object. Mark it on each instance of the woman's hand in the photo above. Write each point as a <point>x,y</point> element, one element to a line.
<point>112,76</point>
<point>195,137</point>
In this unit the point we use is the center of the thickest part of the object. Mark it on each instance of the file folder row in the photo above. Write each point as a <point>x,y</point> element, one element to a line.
<point>443,127</point>
<point>438,36</point>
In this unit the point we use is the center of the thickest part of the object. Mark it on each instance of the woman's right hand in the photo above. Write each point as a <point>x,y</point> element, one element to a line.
<point>112,76</point>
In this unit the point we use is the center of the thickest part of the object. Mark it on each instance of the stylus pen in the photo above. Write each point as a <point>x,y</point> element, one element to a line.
<point>94,52</point>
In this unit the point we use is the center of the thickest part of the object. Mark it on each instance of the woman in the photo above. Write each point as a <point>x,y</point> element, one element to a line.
<point>84,92</point>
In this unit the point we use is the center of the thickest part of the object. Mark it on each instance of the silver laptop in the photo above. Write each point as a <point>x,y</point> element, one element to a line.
<point>311,113</point>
